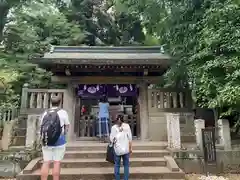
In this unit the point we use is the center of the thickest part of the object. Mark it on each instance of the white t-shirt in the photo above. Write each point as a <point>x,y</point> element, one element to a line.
<point>63,116</point>
<point>123,135</point>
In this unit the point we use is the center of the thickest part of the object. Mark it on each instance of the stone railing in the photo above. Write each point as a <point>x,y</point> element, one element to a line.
<point>169,100</point>
<point>35,101</point>
<point>7,120</point>
<point>8,114</point>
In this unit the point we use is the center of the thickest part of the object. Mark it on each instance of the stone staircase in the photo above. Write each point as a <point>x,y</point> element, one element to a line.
<point>19,135</point>
<point>86,161</point>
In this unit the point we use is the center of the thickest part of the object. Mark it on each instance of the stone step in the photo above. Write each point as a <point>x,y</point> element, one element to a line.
<point>19,131</point>
<point>107,173</point>
<point>134,162</point>
<point>86,161</point>
<point>103,146</point>
<point>102,154</point>
<point>22,121</point>
<point>188,138</point>
<point>19,140</point>
<point>16,148</point>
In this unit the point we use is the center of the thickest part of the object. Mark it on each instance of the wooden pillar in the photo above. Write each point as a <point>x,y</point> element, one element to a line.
<point>69,106</point>
<point>144,115</point>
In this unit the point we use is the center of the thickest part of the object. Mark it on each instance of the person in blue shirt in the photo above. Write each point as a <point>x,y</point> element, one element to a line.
<point>103,120</point>
<point>56,152</point>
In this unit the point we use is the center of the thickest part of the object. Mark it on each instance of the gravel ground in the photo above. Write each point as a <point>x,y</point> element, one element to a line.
<point>198,177</point>
<point>203,177</point>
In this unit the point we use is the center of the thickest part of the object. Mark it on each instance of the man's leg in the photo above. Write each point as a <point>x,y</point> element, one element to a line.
<point>44,170</point>
<point>56,170</point>
<point>126,166</point>
<point>117,163</point>
<point>58,154</point>
<point>47,157</point>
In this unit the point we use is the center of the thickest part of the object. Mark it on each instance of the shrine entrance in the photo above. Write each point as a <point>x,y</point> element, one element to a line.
<point>122,98</point>
<point>79,68</point>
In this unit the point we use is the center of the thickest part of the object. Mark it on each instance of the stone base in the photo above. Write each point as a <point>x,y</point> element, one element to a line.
<point>191,161</point>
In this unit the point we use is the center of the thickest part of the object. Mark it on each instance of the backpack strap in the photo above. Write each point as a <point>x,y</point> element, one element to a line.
<point>56,110</point>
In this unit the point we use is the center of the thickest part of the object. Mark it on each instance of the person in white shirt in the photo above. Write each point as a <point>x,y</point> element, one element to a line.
<point>55,152</point>
<point>121,137</point>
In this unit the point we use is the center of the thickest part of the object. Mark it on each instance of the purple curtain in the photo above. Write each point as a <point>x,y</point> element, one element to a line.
<point>122,90</point>
<point>91,90</point>
<point>95,90</point>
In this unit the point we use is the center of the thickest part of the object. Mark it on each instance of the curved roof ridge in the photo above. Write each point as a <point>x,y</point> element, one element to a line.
<point>106,49</point>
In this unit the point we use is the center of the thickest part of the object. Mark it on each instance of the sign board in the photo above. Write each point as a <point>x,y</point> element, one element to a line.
<point>209,146</point>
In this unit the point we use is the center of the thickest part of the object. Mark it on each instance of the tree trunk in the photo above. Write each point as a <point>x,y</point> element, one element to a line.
<point>4,9</point>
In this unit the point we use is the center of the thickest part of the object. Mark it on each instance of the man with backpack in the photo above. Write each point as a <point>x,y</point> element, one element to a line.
<point>54,127</point>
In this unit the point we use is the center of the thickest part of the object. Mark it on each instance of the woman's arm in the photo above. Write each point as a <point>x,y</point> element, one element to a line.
<point>129,134</point>
<point>113,134</point>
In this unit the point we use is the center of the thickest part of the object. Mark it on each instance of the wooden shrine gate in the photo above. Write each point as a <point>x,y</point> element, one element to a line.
<point>35,101</point>
<point>88,125</point>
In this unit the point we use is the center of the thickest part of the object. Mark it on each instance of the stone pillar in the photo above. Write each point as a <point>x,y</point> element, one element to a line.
<point>224,134</point>
<point>144,115</point>
<point>7,134</point>
<point>32,130</point>
<point>68,105</point>
<point>24,97</point>
<point>173,130</point>
<point>199,125</point>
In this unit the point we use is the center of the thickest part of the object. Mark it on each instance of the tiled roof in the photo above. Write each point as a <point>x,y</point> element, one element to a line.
<point>103,55</point>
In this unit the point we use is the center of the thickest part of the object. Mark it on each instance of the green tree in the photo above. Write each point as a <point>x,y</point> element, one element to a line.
<point>30,30</point>
<point>203,37</point>
<point>5,6</point>
<point>104,22</point>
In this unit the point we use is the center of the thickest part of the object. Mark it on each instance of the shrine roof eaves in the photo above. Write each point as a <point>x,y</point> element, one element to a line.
<point>103,55</point>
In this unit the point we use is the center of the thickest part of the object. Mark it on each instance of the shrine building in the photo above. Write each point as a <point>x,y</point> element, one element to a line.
<point>128,76</point>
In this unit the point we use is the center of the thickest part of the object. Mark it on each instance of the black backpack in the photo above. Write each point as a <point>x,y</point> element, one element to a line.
<point>50,128</point>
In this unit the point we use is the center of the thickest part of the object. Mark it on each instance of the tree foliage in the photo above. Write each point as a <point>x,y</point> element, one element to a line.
<point>30,30</point>
<point>5,6</point>
<point>201,35</point>
<point>33,26</point>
